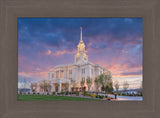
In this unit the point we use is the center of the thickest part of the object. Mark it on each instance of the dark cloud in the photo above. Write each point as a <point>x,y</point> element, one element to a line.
<point>108,40</point>
<point>139,72</point>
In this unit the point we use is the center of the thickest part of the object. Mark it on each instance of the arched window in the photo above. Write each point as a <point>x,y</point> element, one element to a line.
<point>61,74</point>
<point>57,74</point>
<point>70,71</point>
<point>52,75</point>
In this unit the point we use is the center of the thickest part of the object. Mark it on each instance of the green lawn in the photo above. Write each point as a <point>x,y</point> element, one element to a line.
<point>51,97</point>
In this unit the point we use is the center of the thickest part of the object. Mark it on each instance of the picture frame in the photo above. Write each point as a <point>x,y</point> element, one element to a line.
<point>11,10</point>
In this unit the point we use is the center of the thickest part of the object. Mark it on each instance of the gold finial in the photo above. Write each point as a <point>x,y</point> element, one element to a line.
<point>81,34</point>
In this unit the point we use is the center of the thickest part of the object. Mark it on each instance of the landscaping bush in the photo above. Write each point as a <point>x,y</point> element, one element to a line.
<point>53,93</point>
<point>77,93</point>
<point>101,96</point>
<point>106,96</point>
<point>85,93</point>
<point>34,93</point>
<point>28,93</point>
<point>62,92</point>
<point>73,92</point>
<point>97,96</point>
<point>92,95</point>
<point>67,93</point>
<point>123,94</point>
<point>37,93</point>
<point>58,93</point>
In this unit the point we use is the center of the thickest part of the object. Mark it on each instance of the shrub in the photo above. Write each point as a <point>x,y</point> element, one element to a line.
<point>101,96</point>
<point>123,94</point>
<point>97,96</point>
<point>73,92</point>
<point>53,93</point>
<point>62,92</point>
<point>106,96</point>
<point>37,93</point>
<point>92,95</point>
<point>85,93</point>
<point>28,93</point>
<point>77,93</point>
<point>58,93</point>
<point>34,93</point>
<point>67,93</point>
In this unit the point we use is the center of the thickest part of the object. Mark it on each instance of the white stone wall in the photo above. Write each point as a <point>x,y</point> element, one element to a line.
<point>91,70</point>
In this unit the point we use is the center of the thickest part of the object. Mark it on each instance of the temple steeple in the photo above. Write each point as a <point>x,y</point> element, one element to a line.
<point>81,35</point>
<point>81,56</point>
<point>81,45</point>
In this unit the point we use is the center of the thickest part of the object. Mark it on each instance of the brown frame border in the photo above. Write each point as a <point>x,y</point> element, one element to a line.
<point>10,10</point>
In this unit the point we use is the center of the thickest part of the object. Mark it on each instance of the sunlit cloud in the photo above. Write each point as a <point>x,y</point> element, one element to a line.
<point>114,43</point>
<point>62,52</point>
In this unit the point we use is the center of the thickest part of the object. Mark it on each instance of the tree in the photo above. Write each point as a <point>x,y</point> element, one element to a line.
<point>24,85</point>
<point>116,85</point>
<point>97,84</point>
<point>66,87</point>
<point>125,86</point>
<point>74,84</point>
<point>89,83</point>
<point>82,83</point>
<point>109,87</point>
<point>102,81</point>
<point>57,86</point>
<point>45,86</point>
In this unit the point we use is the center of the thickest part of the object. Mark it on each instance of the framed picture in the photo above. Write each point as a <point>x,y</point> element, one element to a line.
<point>37,37</point>
<point>59,61</point>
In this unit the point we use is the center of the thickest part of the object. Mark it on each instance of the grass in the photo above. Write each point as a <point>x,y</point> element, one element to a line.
<point>51,97</point>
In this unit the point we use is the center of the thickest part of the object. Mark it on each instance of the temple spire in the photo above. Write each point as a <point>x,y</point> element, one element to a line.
<point>81,56</point>
<point>81,35</point>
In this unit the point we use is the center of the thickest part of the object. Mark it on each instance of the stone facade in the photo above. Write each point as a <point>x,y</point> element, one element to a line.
<point>80,70</point>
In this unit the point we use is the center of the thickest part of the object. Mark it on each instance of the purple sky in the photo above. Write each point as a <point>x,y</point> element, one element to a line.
<point>115,43</point>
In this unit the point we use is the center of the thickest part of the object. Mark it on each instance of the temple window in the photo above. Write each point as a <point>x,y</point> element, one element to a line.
<point>70,71</point>
<point>57,74</point>
<point>83,79</point>
<point>92,71</point>
<point>83,70</point>
<point>52,75</point>
<point>61,74</point>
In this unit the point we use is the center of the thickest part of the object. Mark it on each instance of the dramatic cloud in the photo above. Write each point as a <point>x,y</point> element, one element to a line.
<point>115,43</point>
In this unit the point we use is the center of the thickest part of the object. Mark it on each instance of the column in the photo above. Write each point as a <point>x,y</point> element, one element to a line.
<point>69,86</point>
<point>59,88</point>
<point>59,73</point>
<point>52,87</point>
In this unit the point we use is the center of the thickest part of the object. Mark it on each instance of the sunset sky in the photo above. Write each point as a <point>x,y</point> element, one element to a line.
<point>114,43</point>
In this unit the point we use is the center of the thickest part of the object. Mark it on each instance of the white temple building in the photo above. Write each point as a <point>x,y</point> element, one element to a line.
<point>80,70</point>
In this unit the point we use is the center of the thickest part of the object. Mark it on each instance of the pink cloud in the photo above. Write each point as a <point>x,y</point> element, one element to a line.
<point>62,52</point>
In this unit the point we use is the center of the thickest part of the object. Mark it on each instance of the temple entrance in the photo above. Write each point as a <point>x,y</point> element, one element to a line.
<point>56,87</point>
<point>63,87</point>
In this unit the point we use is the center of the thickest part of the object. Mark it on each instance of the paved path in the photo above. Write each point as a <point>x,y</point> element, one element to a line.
<point>128,98</point>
